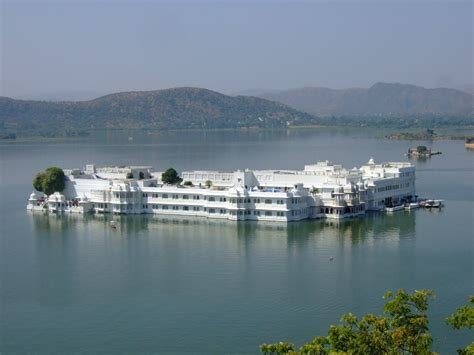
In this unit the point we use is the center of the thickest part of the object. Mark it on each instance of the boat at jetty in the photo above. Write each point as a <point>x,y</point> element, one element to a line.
<point>394,208</point>
<point>432,203</point>
<point>412,206</point>
<point>321,190</point>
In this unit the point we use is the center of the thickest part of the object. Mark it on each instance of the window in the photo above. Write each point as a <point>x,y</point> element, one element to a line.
<point>196,208</point>
<point>268,201</point>
<point>164,195</point>
<point>175,197</point>
<point>185,197</point>
<point>185,208</point>
<point>212,210</point>
<point>268,213</point>
<point>211,198</point>
<point>165,207</point>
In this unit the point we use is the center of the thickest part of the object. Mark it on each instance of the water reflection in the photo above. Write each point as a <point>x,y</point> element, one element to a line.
<point>373,225</point>
<point>171,257</point>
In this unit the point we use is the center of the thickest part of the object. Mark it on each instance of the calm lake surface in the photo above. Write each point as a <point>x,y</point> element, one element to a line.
<point>71,284</point>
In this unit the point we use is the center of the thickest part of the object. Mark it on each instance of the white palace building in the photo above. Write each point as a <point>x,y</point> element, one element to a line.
<point>322,190</point>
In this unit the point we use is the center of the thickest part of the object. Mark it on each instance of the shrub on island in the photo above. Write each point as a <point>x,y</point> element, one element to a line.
<point>170,176</point>
<point>49,180</point>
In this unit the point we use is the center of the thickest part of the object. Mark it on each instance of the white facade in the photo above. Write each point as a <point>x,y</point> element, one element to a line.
<point>322,190</point>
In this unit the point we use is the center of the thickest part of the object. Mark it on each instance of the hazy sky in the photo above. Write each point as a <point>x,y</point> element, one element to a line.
<point>229,46</point>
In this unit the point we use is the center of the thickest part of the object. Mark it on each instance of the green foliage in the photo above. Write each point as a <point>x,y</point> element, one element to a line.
<point>188,183</point>
<point>38,181</point>
<point>403,328</point>
<point>208,184</point>
<point>277,348</point>
<point>463,317</point>
<point>141,176</point>
<point>129,176</point>
<point>170,176</point>
<point>50,180</point>
<point>408,320</point>
<point>421,149</point>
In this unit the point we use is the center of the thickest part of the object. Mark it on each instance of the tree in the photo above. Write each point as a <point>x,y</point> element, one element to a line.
<point>463,317</point>
<point>208,184</point>
<point>421,149</point>
<point>50,180</point>
<point>38,181</point>
<point>129,176</point>
<point>403,328</point>
<point>188,183</point>
<point>141,176</point>
<point>170,176</point>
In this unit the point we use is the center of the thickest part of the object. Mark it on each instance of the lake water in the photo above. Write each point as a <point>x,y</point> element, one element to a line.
<point>72,284</point>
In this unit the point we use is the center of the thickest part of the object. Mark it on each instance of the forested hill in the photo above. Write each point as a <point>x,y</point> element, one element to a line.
<point>381,99</point>
<point>178,108</point>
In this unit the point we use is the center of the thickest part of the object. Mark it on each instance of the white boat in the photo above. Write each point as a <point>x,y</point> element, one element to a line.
<point>394,209</point>
<point>437,204</point>
<point>412,206</point>
<point>428,203</point>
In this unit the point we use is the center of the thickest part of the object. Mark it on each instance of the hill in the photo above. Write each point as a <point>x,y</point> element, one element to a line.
<point>178,108</point>
<point>382,99</point>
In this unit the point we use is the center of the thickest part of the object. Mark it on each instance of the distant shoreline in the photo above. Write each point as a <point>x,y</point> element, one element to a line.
<point>386,133</point>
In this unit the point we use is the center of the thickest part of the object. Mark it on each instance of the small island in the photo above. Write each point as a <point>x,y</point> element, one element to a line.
<point>421,152</point>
